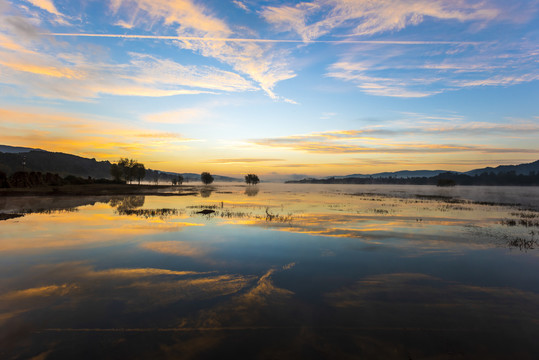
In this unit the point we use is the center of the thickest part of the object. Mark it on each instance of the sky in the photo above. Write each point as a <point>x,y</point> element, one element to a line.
<point>278,88</point>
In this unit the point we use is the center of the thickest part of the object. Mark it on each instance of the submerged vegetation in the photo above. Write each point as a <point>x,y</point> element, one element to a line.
<point>150,213</point>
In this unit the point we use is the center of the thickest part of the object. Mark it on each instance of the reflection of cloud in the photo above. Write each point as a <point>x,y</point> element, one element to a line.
<point>64,232</point>
<point>142,272</point>
<point>50,290</point>
<point>255,308</point>
<point>412,292</point>
<point>434,234</point>
<point>86,290</point>
<point>179,248</point>
<point>265,290</point>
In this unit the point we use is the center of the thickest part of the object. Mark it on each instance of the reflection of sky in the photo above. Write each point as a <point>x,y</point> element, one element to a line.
<point>329,272</point>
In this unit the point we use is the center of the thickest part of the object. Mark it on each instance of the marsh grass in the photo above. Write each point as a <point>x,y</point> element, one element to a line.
<point>24,212</point>
<point>150,213</point>
<point>520,222</point>
<point>523,244</point>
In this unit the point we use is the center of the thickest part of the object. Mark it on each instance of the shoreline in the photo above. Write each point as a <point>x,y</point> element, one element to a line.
<point>103,189</point>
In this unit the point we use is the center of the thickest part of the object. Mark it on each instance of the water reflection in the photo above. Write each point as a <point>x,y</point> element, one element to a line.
<point>127,202</point>
<point>206,191</point>
<point>288,273</point>
<point>251,190</point>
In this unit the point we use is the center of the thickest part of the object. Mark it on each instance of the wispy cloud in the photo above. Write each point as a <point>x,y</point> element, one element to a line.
<point>384,71</point>
<point>322,148</point>
<point>180,116</point>
<point>83,136</point>
<point>264,65</point>
<point>55,71</point>
<point>312,20</point>
<point>124,24</point>
<point>412,139</point>
<point>49,7</point>
<point>78,77</point>
<point>46,5</point>
<point>243,160</point>
<point>241,5</point>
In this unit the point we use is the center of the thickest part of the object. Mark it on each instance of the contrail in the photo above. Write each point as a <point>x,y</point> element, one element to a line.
<point>293,41</point>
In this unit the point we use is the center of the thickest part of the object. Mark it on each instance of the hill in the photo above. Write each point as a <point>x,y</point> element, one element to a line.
<point>398,174</point>
<point>522,169</point>
<point>53,162</point>
<point>15,149</point>
<point>523,174</point>
<point>13,159</point>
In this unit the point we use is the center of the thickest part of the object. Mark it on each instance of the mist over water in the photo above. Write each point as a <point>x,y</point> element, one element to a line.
<point>273,271</point>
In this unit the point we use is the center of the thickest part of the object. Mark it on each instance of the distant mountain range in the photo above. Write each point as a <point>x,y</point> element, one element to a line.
<point>522,169</point>
<point>16,149</point>
<point>14,158</point>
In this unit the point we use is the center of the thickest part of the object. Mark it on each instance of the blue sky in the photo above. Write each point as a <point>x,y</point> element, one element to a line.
<point>326,87</point>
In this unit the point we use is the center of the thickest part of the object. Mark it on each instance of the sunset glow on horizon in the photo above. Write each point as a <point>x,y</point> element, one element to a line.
<point>277,88</point>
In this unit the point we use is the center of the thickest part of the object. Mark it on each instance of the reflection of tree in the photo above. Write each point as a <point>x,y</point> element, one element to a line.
<point>251,191</point>
<point>206,191</point>
<point>127,202</point>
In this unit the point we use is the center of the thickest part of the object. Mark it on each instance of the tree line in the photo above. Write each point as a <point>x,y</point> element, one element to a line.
<point>129,169</point>
<point>444,179</point>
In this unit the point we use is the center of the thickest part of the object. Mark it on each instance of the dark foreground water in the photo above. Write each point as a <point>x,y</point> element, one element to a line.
<point>273,272</point>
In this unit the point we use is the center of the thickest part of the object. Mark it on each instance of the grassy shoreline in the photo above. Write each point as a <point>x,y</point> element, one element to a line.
<point>103,189</point>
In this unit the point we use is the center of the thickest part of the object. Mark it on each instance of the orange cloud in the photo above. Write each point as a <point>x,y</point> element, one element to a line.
<point>83,136</point>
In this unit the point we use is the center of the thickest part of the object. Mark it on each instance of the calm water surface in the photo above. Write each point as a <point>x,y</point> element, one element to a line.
<point>273,271</point>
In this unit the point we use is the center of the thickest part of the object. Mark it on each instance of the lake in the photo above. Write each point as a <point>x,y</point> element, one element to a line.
<point>273,271</point>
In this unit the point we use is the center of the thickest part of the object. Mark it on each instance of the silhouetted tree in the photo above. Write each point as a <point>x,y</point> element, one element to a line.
<point>130,169</point>
<point>116,172</point>
<point>206,178</point>
<point>179,179</point>
<point>252,179</point>
<point>445,182</point>
<point>3,180</point>
<point>139,171</point>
